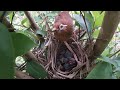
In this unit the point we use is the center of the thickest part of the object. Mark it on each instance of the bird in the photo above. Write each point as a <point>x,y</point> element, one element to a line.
<point>63,26</point>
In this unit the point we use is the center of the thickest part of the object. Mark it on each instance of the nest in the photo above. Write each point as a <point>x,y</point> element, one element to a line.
<point>64,60</point>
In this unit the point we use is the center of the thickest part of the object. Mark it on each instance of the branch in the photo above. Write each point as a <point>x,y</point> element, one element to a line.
<point>3,15</point>
<point>30,56</point>
<point>109,25</point>
<point>34,26</point>
<point>114,53</point>
<point>8,25</point>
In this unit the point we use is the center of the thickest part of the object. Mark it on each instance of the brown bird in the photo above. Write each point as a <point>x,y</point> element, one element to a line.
<point>63,26</point>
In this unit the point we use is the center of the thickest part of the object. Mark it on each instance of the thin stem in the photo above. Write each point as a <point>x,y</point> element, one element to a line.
<point>85,24</point>
<point>114,53</point>
<point>12,17</point>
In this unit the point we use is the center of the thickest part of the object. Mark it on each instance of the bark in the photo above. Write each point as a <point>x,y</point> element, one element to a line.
<point>34,26</point>
<point>109,25</point>
<point>8,25</point>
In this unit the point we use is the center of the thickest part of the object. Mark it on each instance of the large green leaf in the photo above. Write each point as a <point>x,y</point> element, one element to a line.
<point>102,70</point>
<point>35,70</point>
<point>6,54</point>
<point>22,43</point>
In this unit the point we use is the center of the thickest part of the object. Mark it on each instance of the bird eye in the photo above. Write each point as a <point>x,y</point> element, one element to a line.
<point>61,27</point>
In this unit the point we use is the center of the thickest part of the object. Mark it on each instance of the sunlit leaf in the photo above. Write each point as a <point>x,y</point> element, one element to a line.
<point>10,16</point>
<point>98,18</point>
<point>96,33</point>
<point>25,22</point>
<point>106,52</point>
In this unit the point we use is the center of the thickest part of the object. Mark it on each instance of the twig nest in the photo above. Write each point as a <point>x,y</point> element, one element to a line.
<point>67,60</point>
<point>64,60</point>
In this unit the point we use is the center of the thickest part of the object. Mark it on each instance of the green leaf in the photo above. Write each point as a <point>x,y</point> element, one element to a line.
<point>35,70</point>
<point>102,70</point>
<point>110,61</point>
<point>80,20</point>
<point>25,22</point>
<point>115,62</point>
<point>96,33</point>
<point>117,74</point>
<point>22,43</point>
<point>98,18</point>
<point>28,33</point>
<point>11,15</point>
<point>6,54</point>
<point>96,14</point>
<point>106,52</point>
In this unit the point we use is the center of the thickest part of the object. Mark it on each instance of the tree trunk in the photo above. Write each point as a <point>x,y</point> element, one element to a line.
<point>109,25</point>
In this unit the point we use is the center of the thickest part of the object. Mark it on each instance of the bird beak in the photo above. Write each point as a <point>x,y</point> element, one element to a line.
<point>54,29</point>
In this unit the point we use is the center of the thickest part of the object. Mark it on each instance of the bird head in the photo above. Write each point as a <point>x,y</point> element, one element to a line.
<point>63,26</point>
